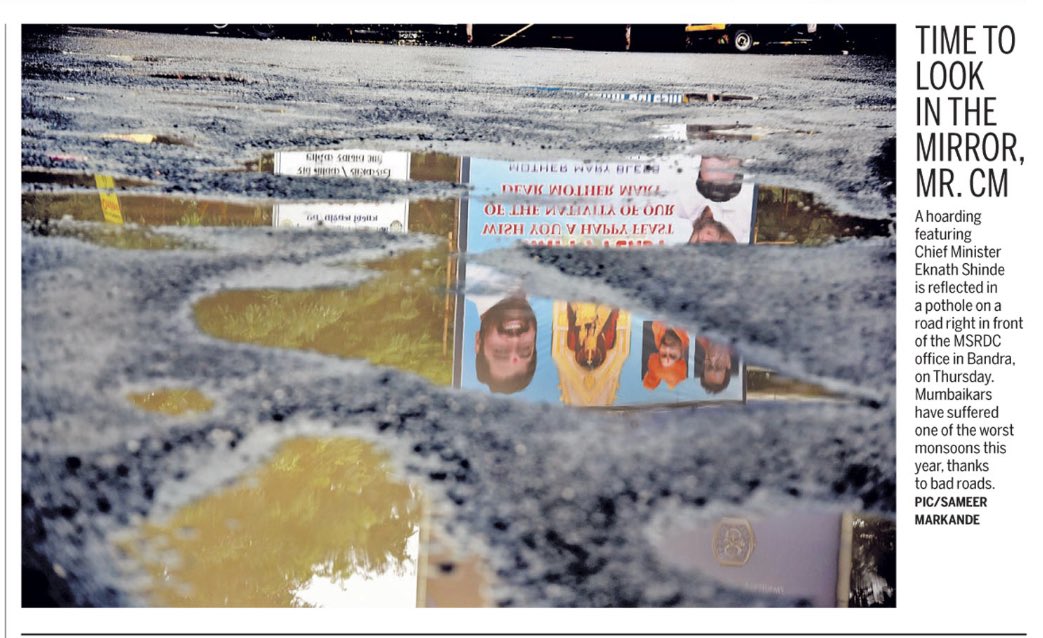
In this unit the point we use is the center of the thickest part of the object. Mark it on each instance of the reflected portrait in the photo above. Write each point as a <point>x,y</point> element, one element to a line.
<point>707,230</point>
<point>720,178</point>
<point>715,364</point>
<point>505,345</point>
<point>664,355</point>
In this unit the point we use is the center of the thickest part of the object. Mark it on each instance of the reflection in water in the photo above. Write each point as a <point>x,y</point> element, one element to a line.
<point>61,178</point>
<point>453,582</point>
<point>634,202</point>
<point>767,385</point>
<point>108,235</point>
<point>648,97</point>
<point>505,344</point>
<point>172,401</point>
<point>403,319</point>
<point>868,555</point>
<point>791,216</point>
<point>495,340</point>
<point>827,558</point>
<point>147,210</point>
<point>589,345</point>
<point>145,138</point>
<point>667,360</point>
<point>324,523</point>
<point>715,364</point>
<point>322,518</point>
<point>498,340</point>
<point>576,353</point>
<point>408,320</point>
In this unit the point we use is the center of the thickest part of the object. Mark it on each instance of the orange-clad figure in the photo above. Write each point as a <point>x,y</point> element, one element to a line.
<point>669,362</point>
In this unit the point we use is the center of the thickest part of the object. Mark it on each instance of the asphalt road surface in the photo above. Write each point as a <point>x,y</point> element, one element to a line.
<point>826,122</point>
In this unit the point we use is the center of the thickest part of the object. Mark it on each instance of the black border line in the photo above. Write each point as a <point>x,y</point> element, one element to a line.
<point>532,634</point>
<point>43,634</point>
<point>6,171</point>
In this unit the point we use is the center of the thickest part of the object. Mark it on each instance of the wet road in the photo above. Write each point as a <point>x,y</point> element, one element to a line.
<point>426,409</point>
<point>824,122</point>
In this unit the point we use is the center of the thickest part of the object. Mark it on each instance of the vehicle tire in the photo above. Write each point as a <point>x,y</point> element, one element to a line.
<point>742,41</point>
<point>262,31</point>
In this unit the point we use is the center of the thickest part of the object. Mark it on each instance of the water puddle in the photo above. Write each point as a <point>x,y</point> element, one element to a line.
<point>541,349</point>
<point>687,132</point>
<point>649,97</point>
<point>84,180</point>
<point>172,401</point>
<point>494,338</point>
<point>145,210</point>
<point>501,341</point>
<point>145,138</point>
<point>404,319</point>
<point>827,557</point>
<point>325,523</point>
<point>639,202</point>
<point>201,77</point>
<point>109,236</point>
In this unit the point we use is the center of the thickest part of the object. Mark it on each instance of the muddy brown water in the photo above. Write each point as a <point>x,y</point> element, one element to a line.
<point>172,401</point>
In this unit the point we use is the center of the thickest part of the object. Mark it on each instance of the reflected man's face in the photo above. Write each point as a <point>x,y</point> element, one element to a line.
<point>717,363</point>
<point>669,353</point>
<point>706,235</point>
<point>507,338</point>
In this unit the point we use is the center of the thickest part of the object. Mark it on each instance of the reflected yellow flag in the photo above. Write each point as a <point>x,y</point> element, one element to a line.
<point>110,204</point>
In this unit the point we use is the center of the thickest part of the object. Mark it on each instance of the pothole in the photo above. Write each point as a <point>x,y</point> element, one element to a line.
<point>495,338</point>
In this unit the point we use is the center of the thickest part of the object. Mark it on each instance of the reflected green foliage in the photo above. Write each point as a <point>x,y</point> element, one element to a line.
<point>790,216</point>
<point>108,235</point>
<point>326,508</point>
<point>146,210</point>
<point>402,319</point>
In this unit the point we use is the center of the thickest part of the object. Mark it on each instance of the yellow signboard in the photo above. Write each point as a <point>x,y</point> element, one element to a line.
<point>110,204</point>
<point>693,28</point>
